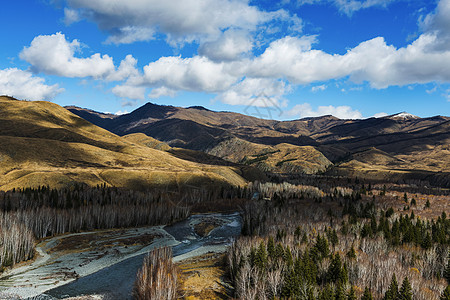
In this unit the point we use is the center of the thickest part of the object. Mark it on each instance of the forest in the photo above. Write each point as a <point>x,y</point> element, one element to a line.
<point>302,242</point>
<point>307,239</point>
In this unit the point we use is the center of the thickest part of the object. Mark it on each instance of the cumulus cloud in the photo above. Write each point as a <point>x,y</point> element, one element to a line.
<point>179,20</point>
<point>23,85</point>
<point>229,46</point>
<point>129,91</point>
<point>131,34</point>
<point>342,112</point>
<point>198,74</point>
<point>160,92</point>
<point>261,92</point>
<point>438,23</point>
<point>373,61</point>
<point>55,55</point>
<point>294,59</point>
<point>126,69</point>
<point>226,65</point>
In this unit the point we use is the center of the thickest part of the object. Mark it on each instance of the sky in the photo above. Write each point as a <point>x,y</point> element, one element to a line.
<point>290,58</point>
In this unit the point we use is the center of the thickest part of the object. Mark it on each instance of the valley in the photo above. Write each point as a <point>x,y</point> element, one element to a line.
<point>216,205</point>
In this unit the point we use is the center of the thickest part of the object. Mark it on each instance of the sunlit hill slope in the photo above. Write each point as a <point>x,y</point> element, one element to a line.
<point>42,143</point>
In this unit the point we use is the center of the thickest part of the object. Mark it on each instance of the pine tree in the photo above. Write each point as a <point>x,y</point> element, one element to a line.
<point>326,293</point>
<point>427,241</point>
<point>261,256</point>
<point>334,270</point>
<point>405,291</point>
<point>339,293</point>
<point>351,294</point>
<point>392,292</point>
<point>367,294</point>
<point>351,253</point>
<point>446,293</point>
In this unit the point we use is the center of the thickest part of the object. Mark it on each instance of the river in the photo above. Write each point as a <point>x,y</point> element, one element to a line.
<point>116,281</point>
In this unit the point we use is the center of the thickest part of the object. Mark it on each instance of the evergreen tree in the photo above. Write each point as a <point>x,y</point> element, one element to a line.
<point>351,294</point>
<point>261,256</point>
<point>322,247</point>
<point>427,241</point>
<point>351,253</point>
<point>335,269</point>
<point>339,293</point>
<point>367,294</point>
<point>405,291</point>
<point>392,292</point>
<point>326,293</point>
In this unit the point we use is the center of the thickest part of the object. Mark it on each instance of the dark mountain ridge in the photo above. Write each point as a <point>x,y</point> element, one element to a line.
<point>417,144</point>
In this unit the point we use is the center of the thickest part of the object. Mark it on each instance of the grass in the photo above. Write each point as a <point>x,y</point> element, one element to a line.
<point>42,143</point>
<point>202,277</point>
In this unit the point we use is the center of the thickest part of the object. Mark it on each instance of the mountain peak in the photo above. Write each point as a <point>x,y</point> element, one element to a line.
<point>403,116</point>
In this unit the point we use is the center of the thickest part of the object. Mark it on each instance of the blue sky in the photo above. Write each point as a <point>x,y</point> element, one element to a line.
<point>349,58</point>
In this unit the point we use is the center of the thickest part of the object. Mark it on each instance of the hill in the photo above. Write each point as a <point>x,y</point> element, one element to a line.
<point>42,143</point>
<point>416,147</point>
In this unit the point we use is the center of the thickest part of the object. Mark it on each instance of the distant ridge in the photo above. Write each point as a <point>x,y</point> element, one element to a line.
<point>411,146</point>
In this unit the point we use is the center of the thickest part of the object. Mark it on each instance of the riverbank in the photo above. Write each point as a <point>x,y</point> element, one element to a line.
<point>66,258</point>
<point>93,264</point>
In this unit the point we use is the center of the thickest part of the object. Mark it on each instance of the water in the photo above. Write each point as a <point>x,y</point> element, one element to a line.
<point>116,281</point>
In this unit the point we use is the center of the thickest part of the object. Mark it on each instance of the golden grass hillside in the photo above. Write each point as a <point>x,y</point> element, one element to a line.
<point>42,143</point>
<point>282,158</point>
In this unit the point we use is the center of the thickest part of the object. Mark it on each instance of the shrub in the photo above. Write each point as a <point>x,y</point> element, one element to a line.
<point>158,276</point>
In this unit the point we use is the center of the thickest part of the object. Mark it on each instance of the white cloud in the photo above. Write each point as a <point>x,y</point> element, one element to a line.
<point>349,6</point>
<point>226,65</point>
<point>23,85</point>
<point>294,59</point>
<point>380,115</point>
<point>126,69</point>
<point>342,112</point>
<point>179,20</point>
<point>431,91</point>
<point>122,112</point>
<point>160,92</point>
<point>190,74</point>
<point>70,16</point>
<point>53,54</point>
<point>229,46</point>
<point>129,91</point>
<point>317,88</point>
<point>131,34</point>
<point>438,23</point>
<point>261,92</point>
<point>373,61</point>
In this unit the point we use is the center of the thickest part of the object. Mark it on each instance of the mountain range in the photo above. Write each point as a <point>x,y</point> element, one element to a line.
<point>395,147</point>
<point>42,143</point>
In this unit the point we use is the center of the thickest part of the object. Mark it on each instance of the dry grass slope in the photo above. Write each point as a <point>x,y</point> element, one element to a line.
<point>42,143</point>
